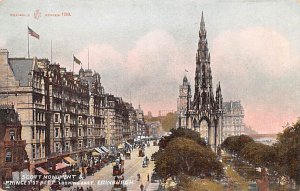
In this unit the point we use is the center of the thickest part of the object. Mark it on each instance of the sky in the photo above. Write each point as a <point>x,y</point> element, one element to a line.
<point>142,48</point>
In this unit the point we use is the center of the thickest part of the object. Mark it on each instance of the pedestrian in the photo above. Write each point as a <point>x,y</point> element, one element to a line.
<point>148,177</point>
<point>142,187</point>
<point>138,176</point>
<point>91,189</point>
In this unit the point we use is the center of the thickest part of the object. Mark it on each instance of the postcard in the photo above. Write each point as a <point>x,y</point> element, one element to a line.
<point>149,95</point>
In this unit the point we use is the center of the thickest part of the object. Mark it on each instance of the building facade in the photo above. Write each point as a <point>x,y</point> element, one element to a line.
<point>153,129</point>
<point>63,114</point>
<point>140,130</point>
<point>233,121</point>
<point>13,157</point>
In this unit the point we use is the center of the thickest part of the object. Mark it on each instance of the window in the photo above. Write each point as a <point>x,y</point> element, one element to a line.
<point>89,143</point>
<point>32,132</point>
<point>56,132</point>
<point>89,121</point>
<point>80,144</point>
<point>33,151</point>
<point>38,151</point>
<point>56,118</point>
<point>67,132</point>
<point>37,134</point>
<point>57,147</point>
<point>79,120</point>
<point>67,119</point>
<point>43,151</point>
<point>67,147</point>
<point>89,131</point>
<point>79,132</point>
<point>12,135</point>
<point>8,157</point>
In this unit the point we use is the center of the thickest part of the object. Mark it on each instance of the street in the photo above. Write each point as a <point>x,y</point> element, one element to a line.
<point>103,179</point>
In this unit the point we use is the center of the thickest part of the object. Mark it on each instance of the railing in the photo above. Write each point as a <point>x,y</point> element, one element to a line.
<point>39,106</point>
<point>39,123</point>
<point>38,90</point>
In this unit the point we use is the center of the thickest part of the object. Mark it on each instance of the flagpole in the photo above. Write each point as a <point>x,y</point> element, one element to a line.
<point>73,63</point>
<point>88,58</point>
<point>28,42</point>
<point>51,51</point>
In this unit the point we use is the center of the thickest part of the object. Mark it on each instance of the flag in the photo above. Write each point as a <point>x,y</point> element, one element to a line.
<point>32,33</point>
<point>76,60</point>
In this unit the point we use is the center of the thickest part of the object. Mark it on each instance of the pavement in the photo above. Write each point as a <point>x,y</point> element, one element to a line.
<point>103,180</point>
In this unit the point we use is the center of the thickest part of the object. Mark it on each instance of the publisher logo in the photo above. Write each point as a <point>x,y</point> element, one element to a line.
<point>37,14</point>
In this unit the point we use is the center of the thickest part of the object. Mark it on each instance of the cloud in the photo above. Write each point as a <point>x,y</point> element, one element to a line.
<point>254,65</point>
<point>2,43</point>
<point>149,73</point>
<point>106,60</point>
<point>257,66</point>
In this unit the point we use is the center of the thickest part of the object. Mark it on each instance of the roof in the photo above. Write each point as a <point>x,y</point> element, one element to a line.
<point>21,67</point>
<point>89,80</point>
<point>232,105</point>
<point>8,114</point>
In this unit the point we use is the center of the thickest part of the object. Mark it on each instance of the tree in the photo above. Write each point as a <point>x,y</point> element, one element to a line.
<point>169,121</point>
<point>235,144</point>
<point>288,148</point>
<point>181,132</point>
<point>183,155</point>
<point>259,154</point>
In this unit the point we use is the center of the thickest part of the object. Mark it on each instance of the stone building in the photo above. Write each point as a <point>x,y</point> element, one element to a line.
<point>130,134</point>
<point>113,121</point>
<point>63,114</point>
<point>233,121</point>
<point>140,130</point>
<point>95,121</point>
<point>182,102</point>
<point>204,113</point>
<point>153,129</point>
<point>13,157</point>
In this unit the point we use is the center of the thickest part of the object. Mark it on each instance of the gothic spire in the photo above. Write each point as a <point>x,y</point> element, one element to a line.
<point>202,31</point>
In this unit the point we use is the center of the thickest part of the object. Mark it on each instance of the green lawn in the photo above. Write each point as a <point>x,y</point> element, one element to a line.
<point>204,185</point>
<point>235,180</point>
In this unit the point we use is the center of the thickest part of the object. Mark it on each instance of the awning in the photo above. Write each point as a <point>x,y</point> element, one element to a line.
<point>43,171</point>
<point>94,153</point>
<point>60,166</point>
<point>70,160</point>
<point>120,146</point>
<point>99,150</point>
<point>105,149</point>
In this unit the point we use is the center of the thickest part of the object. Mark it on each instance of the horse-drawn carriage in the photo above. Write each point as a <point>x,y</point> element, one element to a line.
<point>141,153</point>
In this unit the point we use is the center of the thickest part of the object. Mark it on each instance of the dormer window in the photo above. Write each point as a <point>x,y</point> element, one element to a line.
<point>12,135</point>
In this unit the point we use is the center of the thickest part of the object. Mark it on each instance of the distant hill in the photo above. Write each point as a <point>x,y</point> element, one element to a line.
<point>168,122</point>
